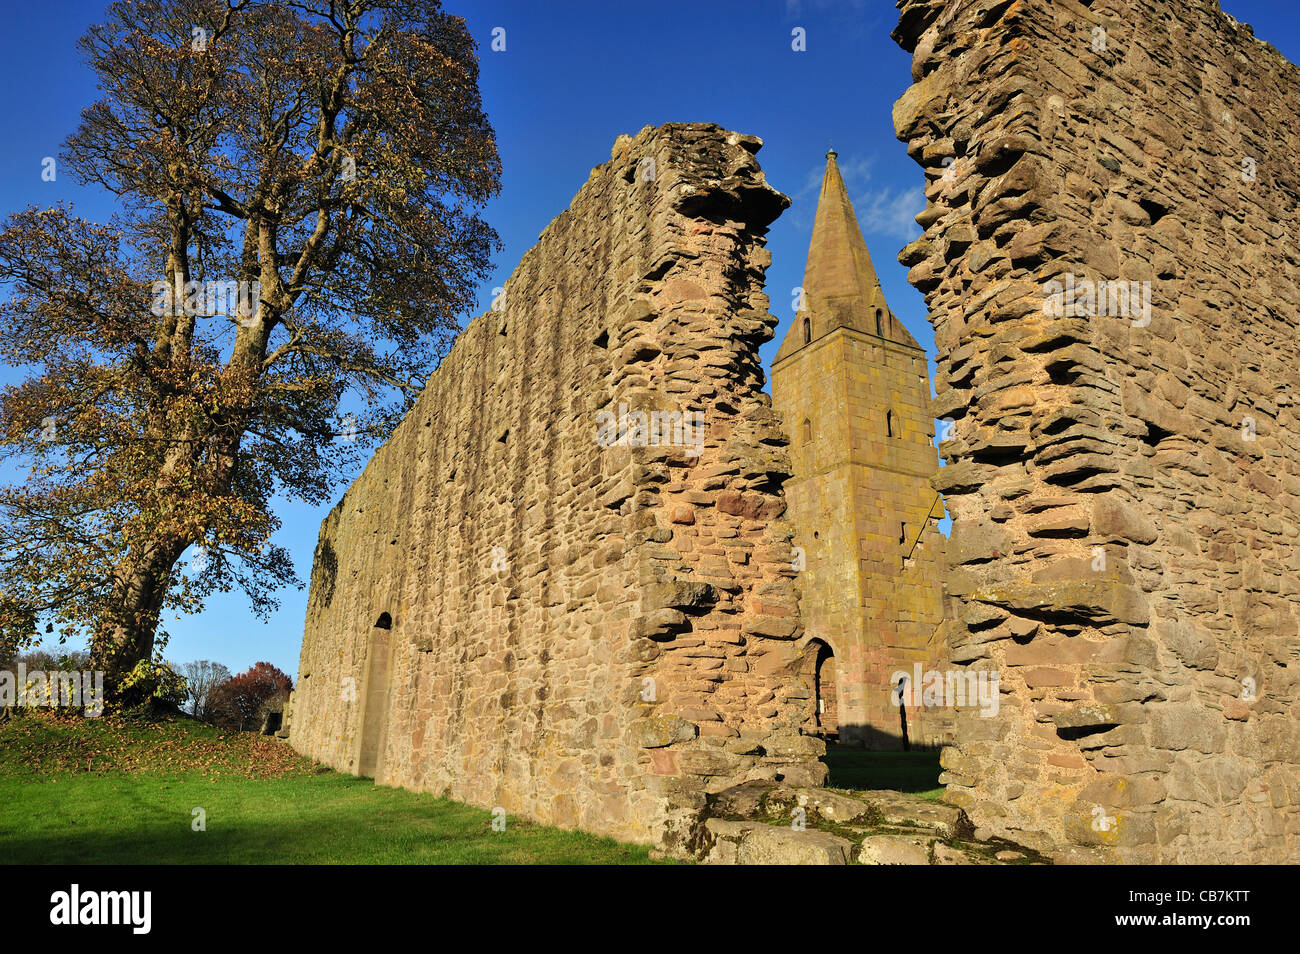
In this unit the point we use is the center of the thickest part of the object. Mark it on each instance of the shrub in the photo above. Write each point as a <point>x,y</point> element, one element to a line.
<point>152,688</point>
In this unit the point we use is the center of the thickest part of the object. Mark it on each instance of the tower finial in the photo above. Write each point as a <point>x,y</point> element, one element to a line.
<point>831,153</point>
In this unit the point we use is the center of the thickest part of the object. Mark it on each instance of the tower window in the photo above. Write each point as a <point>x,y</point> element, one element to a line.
<point>879,315</point>
<point>807,431</point>
<point>807,330</point>
<point>889,423</point>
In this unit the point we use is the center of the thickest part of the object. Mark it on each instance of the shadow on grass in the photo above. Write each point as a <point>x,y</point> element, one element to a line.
<point>915,772</point>
<point>330,819</point>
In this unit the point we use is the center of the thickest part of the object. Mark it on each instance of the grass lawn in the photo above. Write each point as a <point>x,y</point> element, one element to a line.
<point>105,791</point>
<point>915,772</point>
<point>111,791</point>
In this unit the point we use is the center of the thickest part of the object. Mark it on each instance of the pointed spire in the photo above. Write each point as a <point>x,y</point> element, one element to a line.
<point>840,285</point>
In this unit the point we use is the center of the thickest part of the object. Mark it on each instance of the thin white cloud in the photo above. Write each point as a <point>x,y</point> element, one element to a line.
<point>882,211</point>
<point>890,212</point>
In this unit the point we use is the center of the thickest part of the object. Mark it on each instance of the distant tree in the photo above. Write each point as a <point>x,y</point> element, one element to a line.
<point>201,678</point>
<point>298,186</point>
<point>237,702</point>
<point>48,660</point>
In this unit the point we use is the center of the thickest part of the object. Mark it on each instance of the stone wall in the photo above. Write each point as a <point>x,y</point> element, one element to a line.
<point>507,610</point>
<point>1123,486</point>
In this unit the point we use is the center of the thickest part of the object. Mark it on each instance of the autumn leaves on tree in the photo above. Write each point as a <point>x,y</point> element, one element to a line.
<point>297,187</point>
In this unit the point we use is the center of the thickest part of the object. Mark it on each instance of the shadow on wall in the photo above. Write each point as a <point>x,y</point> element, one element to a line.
<point>874,739</point>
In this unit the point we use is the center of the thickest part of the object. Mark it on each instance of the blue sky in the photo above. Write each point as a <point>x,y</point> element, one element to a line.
<point>572,77</point>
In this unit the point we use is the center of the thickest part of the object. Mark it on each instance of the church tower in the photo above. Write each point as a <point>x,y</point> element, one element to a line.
<point>852,387</point>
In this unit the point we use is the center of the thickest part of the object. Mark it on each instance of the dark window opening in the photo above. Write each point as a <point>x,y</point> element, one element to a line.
<point>879,325</point>
<point>1154,435</point>
<point>807,330</point>
<point>1153,209</point>
<point>889,424</point>
<point>384,622</point>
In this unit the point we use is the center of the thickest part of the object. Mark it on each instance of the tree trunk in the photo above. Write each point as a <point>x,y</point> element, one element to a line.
<point>126,635</point>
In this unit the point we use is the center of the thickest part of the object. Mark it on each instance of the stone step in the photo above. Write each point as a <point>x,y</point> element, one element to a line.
<point>758,843</point>
<point>899,808</point>
<point>759,823</point>
<point>876,807</point>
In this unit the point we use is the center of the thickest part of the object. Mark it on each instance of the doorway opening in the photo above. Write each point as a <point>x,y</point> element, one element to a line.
<point>819,663</point>
<point>374,706</point>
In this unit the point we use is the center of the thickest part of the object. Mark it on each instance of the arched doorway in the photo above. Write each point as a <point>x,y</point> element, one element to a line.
<point>374,707</point>
<point>819,666</point>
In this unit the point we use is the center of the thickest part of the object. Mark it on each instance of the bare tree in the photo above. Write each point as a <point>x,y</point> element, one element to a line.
<point>202,677</point>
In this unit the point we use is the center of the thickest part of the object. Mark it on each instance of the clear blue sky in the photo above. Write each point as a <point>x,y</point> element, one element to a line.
<point>573,76</point>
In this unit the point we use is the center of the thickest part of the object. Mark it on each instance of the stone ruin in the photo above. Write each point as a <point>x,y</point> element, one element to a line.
<point>1122,479</point>
<point>563,587</point>
<point>534,600</point>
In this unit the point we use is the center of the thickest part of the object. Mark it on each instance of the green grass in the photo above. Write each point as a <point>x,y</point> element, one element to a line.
<point>915,772</point>
<point>106,791</point>
<point>112,791</point>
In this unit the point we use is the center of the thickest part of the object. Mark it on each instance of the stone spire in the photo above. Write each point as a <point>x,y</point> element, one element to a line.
<point>841,288</point>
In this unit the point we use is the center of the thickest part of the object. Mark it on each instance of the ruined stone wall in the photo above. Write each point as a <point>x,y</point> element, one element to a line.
<point>1123,486</point>
<point>505,609</point>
